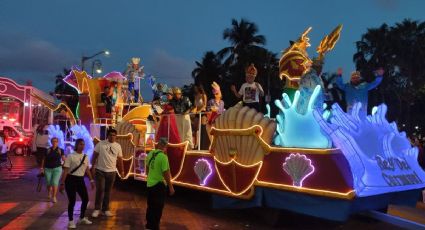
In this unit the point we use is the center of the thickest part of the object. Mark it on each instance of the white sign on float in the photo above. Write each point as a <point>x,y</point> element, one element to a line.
<point>381,158</point>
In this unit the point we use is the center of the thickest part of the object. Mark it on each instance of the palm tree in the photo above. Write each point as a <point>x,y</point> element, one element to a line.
<point>243,38</point>
<point>207,71</point>
<point>400,49</point>
<point>65,92</point>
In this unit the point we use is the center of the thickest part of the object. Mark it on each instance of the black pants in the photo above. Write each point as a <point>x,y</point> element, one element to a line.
<point>254,105</point>
<point>156,200</point>
<point>74,185</point>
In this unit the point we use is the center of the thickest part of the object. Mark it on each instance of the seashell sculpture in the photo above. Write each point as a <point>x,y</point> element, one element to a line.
<point>298,167</point>
<point>247,149</point>
<point>203,170</point>
<point>125,127</point>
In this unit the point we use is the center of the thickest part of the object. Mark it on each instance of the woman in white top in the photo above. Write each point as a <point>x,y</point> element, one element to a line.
<point>75,167</point>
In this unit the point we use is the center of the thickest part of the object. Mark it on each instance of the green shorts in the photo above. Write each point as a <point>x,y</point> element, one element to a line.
<point>53,175</point>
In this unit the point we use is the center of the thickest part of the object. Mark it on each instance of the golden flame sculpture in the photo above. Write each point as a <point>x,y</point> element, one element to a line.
<point>328,42</point>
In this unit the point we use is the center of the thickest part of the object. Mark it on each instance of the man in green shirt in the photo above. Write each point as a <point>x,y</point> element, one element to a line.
<point>158,171</point>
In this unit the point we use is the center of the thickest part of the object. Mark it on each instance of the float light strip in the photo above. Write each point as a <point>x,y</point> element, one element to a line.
<point>185,144</point>
<point>58,107</point>
<point>8,80</point>
<point>243,166</point>
<point>84,78</point>
<point>347,195</point>
<point>129,169</point>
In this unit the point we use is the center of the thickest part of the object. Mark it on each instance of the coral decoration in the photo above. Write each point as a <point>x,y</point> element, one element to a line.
<point>298,167</point>
<point>300,130</point>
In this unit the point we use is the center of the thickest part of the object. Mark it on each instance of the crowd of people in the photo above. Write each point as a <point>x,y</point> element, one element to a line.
<point>67,173</point>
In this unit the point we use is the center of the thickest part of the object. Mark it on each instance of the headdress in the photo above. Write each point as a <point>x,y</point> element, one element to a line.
<point>177,90</point>
<point>215,88</point>
<point>251,70</point>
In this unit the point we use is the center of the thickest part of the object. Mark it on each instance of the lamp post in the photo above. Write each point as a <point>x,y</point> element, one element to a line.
<point>98,64</point>
<point>85,58</point>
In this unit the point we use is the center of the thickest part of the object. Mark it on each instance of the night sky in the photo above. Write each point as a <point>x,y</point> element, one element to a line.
<point>39,38</point>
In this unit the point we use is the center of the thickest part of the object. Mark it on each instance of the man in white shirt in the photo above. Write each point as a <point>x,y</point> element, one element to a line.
<point>104,166</point>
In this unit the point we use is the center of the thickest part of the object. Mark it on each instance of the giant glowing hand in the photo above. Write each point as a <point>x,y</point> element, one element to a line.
<point>377,152</point>
<point>299,130</point>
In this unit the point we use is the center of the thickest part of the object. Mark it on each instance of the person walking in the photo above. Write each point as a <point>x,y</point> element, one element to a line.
<point>75,167</point>
<point>104,166</point>
<point>158,169</point>
<point>51,166</point>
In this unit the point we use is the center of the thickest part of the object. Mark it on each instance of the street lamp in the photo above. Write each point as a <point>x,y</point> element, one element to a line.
<point>85,58</point>
<point>96,64</point>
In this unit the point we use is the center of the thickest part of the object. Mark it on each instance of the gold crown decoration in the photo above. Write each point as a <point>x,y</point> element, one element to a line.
<point>135,60</point>
<point>328,42</point>
<point>177,90</point>
<point>251,70</point>
<point>294,60</point>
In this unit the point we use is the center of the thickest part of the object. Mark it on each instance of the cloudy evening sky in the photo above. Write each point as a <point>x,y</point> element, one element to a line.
<point>39,38</point>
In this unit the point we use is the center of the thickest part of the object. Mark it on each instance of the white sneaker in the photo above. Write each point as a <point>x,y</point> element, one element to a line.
<point>108,213</point>
<point>71,224</point>
<point>95,213</point>
<point>84,221</point>
<point>54,200</point>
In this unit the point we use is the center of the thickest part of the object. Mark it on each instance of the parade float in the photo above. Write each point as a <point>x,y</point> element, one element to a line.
<point>324,163</point>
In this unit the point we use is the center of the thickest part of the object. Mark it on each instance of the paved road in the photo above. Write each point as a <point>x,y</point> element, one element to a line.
<point>21,207</point>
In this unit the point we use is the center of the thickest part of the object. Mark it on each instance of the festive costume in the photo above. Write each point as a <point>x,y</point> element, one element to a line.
<point>168,126</point>
<point>133,74</point>
<point>357,92</point>
<point>181,107</point>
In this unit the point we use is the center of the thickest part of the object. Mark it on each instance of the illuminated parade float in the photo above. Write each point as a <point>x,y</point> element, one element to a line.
<point>321,162</point>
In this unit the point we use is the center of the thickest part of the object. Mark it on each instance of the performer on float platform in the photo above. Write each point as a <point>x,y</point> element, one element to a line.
<point>250,91</point>
<point>357,90</point>
<point>133,74</point>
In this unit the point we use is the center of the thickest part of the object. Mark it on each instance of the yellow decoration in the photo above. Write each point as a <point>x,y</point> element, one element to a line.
<point>294,60</point>
<point>328,42</point>
<point>138,113</point>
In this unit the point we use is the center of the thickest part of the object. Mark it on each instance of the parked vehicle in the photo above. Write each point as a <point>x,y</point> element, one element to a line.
<point>16,139</point>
